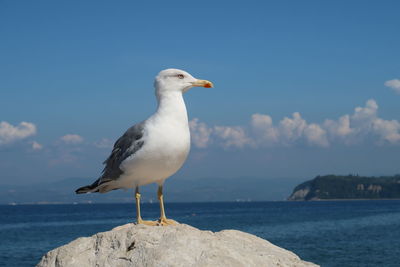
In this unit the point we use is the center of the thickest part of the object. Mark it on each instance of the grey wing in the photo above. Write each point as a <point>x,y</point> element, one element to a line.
<point>127,145</point>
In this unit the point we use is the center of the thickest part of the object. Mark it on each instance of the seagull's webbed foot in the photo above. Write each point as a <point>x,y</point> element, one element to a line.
<point>164,222</point>
<point>149,223</point>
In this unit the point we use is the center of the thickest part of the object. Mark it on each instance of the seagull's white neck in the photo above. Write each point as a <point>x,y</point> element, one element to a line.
<point>171,104</point>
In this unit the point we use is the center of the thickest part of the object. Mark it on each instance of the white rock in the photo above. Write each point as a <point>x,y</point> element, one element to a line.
<point>178,245</point>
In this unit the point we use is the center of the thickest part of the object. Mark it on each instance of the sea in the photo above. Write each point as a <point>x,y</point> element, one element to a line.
<point>328,233</point>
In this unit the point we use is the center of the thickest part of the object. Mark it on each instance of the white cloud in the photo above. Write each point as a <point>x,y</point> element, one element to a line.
<point>291,129</point>
<point>72,139</point>
<point>225,136</point>
<point>36,146</point>
<point>263,128</point>
<point>315,135</point>
<point>363,116</point>
<point>340,128</point>
<point>388,131</point>
<point>394,84</point>
<point>364,125</point>
<point>200,133</point>
<point>232,136</point>
<point>352,129</point>
<point>10,133</point>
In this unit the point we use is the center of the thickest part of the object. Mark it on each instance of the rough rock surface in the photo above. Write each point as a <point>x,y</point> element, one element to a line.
<point>178,245</point>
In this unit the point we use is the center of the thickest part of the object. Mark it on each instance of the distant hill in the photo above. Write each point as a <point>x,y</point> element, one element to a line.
<point>176,190</point>
<point>348,187</point>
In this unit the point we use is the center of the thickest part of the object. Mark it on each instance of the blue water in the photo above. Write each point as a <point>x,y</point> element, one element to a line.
<point>332,233</point>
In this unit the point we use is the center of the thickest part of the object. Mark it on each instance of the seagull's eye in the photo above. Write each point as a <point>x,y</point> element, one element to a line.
<point>180,76</point>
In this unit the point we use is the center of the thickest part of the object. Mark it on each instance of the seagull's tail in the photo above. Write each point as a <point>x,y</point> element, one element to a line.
<point>87,189</point>
<point>100,185</point>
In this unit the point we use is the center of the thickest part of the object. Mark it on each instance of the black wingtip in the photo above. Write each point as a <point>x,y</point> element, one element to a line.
<point>83,189</point>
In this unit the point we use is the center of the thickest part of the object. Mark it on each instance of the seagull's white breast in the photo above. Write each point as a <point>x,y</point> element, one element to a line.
<point>165,149</point>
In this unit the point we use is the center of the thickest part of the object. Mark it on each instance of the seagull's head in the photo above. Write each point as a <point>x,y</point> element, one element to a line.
<point>174,80</point>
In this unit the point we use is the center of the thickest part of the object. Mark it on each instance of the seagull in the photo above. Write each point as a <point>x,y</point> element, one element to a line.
<point>152,150</point>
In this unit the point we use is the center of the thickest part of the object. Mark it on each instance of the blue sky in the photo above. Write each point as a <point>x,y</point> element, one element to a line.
<point>81,72</point>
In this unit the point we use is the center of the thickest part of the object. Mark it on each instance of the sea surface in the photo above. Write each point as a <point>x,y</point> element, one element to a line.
<point>329,233</point>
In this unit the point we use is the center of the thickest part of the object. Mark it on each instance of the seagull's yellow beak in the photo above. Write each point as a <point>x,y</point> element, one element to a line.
<point>203,83</point>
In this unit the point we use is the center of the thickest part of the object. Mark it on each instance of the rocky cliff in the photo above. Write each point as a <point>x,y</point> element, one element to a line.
<point>348,187</point>
<point>178,245</point>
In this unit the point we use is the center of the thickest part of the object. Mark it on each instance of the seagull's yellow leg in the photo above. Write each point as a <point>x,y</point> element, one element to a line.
<point>138,216</point>
<point>163,219</point>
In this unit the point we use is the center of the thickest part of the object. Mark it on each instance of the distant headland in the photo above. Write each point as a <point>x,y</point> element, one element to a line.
<point>331,187</point>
